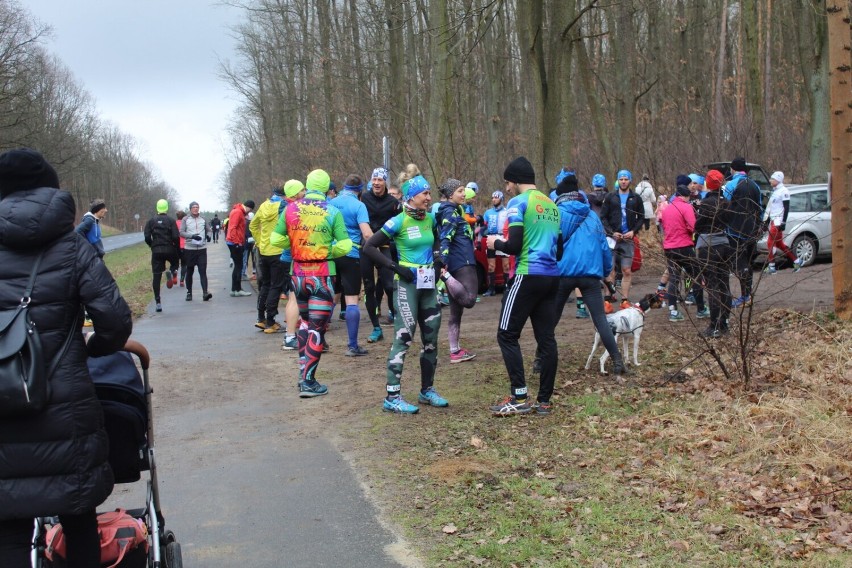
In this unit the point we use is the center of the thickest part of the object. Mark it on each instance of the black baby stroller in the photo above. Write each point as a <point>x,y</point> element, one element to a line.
<point>128,418</point>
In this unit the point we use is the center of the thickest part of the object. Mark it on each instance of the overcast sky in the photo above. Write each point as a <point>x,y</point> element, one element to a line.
<point>152,66</point>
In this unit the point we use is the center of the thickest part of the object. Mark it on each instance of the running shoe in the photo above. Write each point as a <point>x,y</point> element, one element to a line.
<point>311,389</point>
<point>290,344</point>
<point>342,316</point>
<point>489,292</point>
<point>443,300</point>
<point>608,309</point>
<point>377,335</point>
<point>189,296</point>
<point>356,351</point>
<point>240,293</point>
<point>461,356</point>
<point>206,296</point>
<point>620,369</point>
<point>797,265</point>
<point>675,315</point>
<point>742,301</point>
<point>703,314</point>
<point>159,307</point>
<point>625,303</point>
<point>169,282</point>
<point>272,328</point>
<point>772,270</point>
<point>510,406</point>
<point>543,408</point>
<point>582,313</point>
<point>690,299</point>
<point>432,398</point>
<point>175,278</point>
<point>399,406</point>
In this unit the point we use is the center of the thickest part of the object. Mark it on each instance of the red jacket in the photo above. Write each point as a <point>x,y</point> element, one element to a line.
<point>237,225</point>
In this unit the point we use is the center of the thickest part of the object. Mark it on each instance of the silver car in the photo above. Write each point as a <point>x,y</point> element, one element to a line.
<point>808,230</point>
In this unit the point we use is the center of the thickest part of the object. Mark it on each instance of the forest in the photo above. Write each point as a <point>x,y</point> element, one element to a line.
<point>460,87</point>
<point>659,87</point>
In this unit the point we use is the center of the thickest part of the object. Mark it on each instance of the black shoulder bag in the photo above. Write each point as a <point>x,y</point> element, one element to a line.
<point>24,387</point>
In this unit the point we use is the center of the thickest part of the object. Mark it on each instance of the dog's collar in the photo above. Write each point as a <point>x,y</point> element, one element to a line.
<point>639,307</point>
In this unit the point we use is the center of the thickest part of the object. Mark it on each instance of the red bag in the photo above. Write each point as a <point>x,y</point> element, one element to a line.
<point>119,532</point>
<point>637,255</point>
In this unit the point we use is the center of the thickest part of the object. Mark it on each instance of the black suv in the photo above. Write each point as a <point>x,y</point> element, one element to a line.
<point>754,171</point>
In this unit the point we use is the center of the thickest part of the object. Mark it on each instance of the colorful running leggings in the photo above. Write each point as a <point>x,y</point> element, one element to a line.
<point>315,296</point>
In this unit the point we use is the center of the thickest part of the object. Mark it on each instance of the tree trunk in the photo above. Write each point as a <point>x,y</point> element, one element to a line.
<point>840,65</point>
<point>530,24</point>
<point>722,56</point>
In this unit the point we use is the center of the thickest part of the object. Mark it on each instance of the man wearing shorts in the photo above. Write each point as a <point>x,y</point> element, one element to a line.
<point>161,235</point>
<point>494,219</point>
<point>623,215</point>
<point>349,267</point>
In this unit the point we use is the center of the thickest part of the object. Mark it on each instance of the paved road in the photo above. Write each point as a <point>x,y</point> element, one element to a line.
<point>246,477</point>
<point>123,240</point>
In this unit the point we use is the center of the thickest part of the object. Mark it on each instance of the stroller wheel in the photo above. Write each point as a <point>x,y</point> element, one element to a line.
<point>173,556</point>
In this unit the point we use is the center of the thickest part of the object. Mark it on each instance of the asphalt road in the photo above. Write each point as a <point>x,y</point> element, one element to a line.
<point>121,241</point>
<point>248,477</point>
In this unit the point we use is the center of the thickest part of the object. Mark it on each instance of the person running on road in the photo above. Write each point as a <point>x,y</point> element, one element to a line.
<point>236,241</point>
<point>162,236</point>
<point>381,206</point>
<point>494,219</point>
<point>534,237</point>
<point>413,230</point>
<point>216,225</point>
<point>349,267</point>
<point>623,215</point>
<point>195,229</point>
<point>458,265</point>
<point>270,274</point>
<point>314,232</point>
<point>775,221</point>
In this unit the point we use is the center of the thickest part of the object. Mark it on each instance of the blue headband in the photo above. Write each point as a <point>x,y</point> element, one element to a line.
<point>624,173</point>
<point>355,188</point>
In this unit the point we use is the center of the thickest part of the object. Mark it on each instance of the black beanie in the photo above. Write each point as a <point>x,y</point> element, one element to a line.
<point>519,170</point>
<point>567,185</point>
<point>248,203</point>
<point>23,169</point>
<point>682,180</point>
<point>738,164</point>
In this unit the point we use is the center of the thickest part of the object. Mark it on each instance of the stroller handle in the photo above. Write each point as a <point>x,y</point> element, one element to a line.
<point>139,350</point>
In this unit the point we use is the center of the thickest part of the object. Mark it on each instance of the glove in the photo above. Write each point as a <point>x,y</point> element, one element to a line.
<point>197,238</point>
<point>208,238</point>
<point>782,226</point>
<point>765,226</point>
<point>404,273</point>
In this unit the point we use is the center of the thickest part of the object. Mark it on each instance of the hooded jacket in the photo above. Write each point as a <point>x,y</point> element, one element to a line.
<point>90,227</point>
<point>263,223</point>
<point>55,461</point>
<point>611,212</point>
<point>585,251</point>
<point>237,225</point>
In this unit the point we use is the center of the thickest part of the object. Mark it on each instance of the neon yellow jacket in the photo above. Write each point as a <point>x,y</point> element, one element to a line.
<point>261,227</point>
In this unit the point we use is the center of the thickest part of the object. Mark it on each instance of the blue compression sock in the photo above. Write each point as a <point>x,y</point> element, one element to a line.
<point>353,318</point>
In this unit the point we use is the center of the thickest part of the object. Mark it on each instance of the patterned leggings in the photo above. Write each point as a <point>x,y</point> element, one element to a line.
<point>315,296</point>
<point>414,307</point>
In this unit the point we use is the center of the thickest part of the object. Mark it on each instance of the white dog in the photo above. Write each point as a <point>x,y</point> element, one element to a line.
<point>629,321</point>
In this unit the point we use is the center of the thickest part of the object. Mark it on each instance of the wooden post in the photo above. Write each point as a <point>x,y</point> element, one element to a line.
<point>840,93</point>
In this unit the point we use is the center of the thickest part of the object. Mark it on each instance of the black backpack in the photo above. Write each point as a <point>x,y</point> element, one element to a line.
<point>24,387</point>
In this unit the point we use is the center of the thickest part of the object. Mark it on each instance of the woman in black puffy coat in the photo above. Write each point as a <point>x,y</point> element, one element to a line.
<point>55,462</point>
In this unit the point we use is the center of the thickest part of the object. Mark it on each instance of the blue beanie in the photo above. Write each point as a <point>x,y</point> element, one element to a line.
<point>598,180</point>
<point>624,173</point>
<point>563,173</point>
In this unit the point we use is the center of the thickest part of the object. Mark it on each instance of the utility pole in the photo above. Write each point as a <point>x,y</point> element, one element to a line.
<point>840,93</point>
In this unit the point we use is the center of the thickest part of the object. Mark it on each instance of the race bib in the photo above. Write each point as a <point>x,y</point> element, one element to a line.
<point>426,278</point>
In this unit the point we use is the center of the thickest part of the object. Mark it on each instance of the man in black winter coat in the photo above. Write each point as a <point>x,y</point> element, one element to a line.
<point>623,215</point>
<point>161,234</point>
<point>55,462</point>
